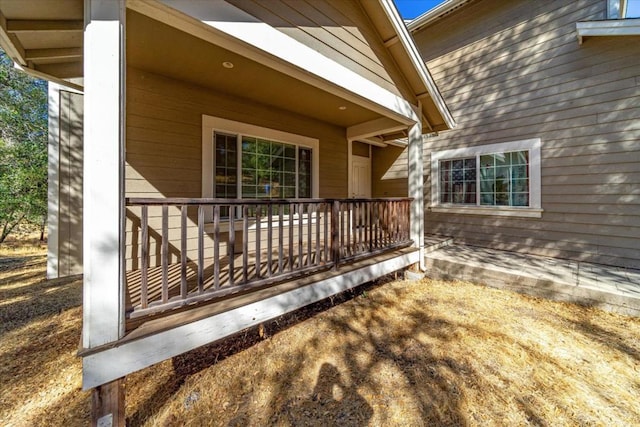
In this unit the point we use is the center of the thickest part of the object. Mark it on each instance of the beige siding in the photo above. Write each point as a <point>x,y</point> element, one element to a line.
<point>389,172</point>
<point>164,143</point>
<point>514,70</point>
<point>338,29</point>
<point>70,181</point>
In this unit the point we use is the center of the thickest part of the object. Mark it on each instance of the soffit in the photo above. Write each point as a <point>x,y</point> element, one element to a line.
<point>44,36</point>
<point>433,117</point>
<point>162,49</point>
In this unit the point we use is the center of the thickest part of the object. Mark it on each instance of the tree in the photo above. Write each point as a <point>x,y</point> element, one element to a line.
<point>23,148</point>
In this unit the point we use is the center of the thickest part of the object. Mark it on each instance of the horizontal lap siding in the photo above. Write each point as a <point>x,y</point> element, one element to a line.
<point>164,144</point>
<point>514,70</point>
<point>338,29</point>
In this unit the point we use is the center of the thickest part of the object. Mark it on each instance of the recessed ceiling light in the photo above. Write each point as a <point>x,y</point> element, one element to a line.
<point>227,64</point>
<point>342,107</point>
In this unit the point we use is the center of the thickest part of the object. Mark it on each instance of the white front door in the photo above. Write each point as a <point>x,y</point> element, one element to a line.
<point>360,177</point>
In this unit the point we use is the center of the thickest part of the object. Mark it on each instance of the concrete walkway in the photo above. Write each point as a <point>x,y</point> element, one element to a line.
<point>611,288</point>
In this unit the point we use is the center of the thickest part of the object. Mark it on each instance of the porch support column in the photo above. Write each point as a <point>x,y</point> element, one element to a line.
<point>416,187</point>
<point>104,83</point>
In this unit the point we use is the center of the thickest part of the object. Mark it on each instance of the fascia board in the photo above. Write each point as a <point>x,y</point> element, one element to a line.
<point>617,27</point>
<point>410,48</point>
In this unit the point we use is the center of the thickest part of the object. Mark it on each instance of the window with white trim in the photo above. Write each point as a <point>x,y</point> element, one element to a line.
<point>265,168</point>
<point>247,161</point>
<point>500,179</point>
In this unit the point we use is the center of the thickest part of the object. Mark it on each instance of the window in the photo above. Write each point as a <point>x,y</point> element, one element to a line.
<point>496,179</point>
<point>268,169</point>
<point>246,161</point>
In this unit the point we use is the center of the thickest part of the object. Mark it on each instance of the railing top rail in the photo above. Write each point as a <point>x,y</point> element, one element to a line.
<point>158,201</point>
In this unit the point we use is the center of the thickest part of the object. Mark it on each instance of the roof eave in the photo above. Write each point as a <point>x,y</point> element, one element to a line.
<point>419,66</point>
<point>435,14</point>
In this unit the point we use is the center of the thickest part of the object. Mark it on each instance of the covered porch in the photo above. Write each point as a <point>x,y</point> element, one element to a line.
<point>188,252</point>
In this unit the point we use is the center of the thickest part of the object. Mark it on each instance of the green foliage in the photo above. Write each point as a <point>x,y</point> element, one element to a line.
<point>23,148</point>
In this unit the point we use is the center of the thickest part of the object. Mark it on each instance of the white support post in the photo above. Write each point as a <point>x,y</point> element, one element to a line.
<point>104,72</point>
<point>53,191</point>
<point>416,188</point>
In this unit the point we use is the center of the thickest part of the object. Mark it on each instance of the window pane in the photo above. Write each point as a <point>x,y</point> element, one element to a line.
<point>487,199</point>
<point>502,199</point>
<point>458,181</point>
<point>225,166</point>
<point>520,199</point>
<point>304,173</point>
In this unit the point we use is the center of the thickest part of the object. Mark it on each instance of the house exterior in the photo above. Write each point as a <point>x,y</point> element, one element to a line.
<point>236,160</point>
<point>546,155</point>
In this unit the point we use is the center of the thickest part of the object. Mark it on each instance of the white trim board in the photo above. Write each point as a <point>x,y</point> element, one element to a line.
<point>614,28</point>
<point>112,363</point>
<point>416,60</point>
<point>211,124</point>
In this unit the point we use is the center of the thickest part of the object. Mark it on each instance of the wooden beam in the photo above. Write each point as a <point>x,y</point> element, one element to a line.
<point>59,54</point>
<point>373,140</point>
<point>390,42</point>
<point>374,128</point>
<point>29,26</point>
<point>107,404</point>
<point>61,70</point>
<point>43,76</point>
<point>10,43</point>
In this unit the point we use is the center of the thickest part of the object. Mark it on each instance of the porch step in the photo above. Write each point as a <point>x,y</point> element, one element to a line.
<point>610,288</point>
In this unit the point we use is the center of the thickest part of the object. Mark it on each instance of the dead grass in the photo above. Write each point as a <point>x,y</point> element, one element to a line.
<point>402,353</point>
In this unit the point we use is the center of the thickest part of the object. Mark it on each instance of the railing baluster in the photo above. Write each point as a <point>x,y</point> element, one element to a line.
<point>336,225</point>
<point>164,253</point>
<point>183,251</point>
<point>232,243</point>
<point>216,247</point>
<point>144,278</point>
<point>291,228</point>
<point>300,234</point>
<point>245,241</point>
<point>269,238</point>
<point>309,233</point>
<point>317,213</point>
<point>349,206</point>
<point>200,249</point>
<point>258,263</point>
<point>280,237</point>
<point>359,225</point>
<point>326,233</point>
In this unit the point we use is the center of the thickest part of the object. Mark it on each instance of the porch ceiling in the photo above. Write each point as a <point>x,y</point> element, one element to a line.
<point>45,37</point>
<point>159,48</point>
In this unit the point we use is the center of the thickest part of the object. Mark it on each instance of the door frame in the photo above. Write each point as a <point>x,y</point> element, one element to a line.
<point>350,157</point>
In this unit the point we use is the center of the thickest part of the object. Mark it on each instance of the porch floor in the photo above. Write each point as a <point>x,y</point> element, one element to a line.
<point>147,325</point>
<point>608,287</point>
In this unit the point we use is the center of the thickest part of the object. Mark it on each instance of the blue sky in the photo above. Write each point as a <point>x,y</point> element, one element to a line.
<point>410,9</point>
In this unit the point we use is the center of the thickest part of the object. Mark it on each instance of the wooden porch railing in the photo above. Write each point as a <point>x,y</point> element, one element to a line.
<point>181,251</point>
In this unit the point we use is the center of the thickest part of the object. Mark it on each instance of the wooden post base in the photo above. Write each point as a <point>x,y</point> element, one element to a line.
<point>107,405</point>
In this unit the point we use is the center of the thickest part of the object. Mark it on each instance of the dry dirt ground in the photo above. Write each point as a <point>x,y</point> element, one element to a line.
<point>398,353</point>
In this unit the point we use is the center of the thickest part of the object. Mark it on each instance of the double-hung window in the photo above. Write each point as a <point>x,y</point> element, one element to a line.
<point>495,179</point>
<point>242,161</point>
